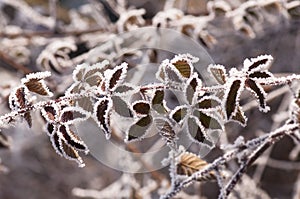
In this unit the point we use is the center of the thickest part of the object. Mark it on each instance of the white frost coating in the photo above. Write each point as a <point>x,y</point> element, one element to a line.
<point>109,74</point>
<point>227,87</point>
<point>37,76</point>
<point>106,116</point>
<point>217,67</point>
<point>84,115</point>
<point>248,62</point>
<point>262,91</point>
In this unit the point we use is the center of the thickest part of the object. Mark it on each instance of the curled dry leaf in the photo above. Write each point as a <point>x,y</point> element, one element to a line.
<point>189,163</point>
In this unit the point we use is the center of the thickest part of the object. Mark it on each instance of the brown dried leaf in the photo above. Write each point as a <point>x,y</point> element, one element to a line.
<point>189,163</point>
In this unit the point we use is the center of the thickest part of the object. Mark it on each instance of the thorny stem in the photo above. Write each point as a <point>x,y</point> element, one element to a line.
<point>262,142</point>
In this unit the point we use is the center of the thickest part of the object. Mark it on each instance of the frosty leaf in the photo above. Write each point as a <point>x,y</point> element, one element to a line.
<point>189,163</point>
<point>51,129</point>
<point>79,71</point>
<point>50,113</point>
<point>257,64</point>
<point>172,74</point>
<point>165,129</point>
<point>259,94</point>
<point>196,131</point>
<point>183,64</point>
<point>70,115</point>
<point>139,129</point>
<point>239,117</point>
<point>35,83</point>
<point>232,97</point>
<point>71,138</point>
<point>158,101</point>
<point>208,103</point>
<point>17,99</point>
<point>121,107</point>
<point>191,87</point>
<point>260,74</point>
<point>102,109</point>
<point>141,107</point>
<point>70,153</point>
<point>207,121</point>
<point>183,67</point>
<point>4,141</point>
<point>95,79</point>
<point>179,113</point>
<point>218,72</point>
<point>115,76</point>
<point>124,88</point>
<point>55,140</point>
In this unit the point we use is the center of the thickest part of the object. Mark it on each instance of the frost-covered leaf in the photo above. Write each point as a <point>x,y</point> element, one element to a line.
<point>71,138</point>
<point>260,74</point>
<point>70,115</point>
<point>158,103</point>
<point>207,121</point>
<point>239,117</point>
<point>51,129</point>
<point>65,150</point>
<point>115,76</point>
<point>259,63</point>
<point>36,84</point>
<point>50,113</point>
<point>183,67</point>
<point>18,100</point>
<point>124,89</point>
<point>190,163</point>
<point>208,102</point>
<point>232,97</point>
<point>179,113</point>
<point>165,129</point>
<point>141,107</point>
<point>197,132</point>
<point>218,72</point>
<point>191,88</point>
<point>139,129</point>
<point>184,64</point>
<point>121,107</point>
<point>259,93</point>
<point>172,75</point>
<point>102,110</point>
